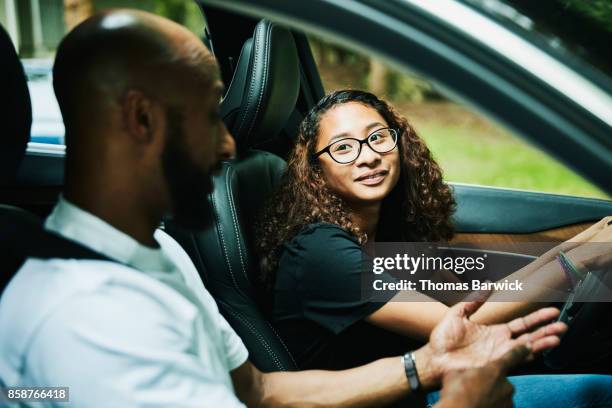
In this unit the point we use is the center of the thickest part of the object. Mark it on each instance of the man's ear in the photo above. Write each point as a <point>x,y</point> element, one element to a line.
<point>141,116</point>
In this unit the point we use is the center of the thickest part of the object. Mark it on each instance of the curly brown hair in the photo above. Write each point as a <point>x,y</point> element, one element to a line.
<point>421,196</point>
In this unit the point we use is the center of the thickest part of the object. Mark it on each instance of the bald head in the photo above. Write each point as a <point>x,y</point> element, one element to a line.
<point>139,96</point>
<point>113,52</point>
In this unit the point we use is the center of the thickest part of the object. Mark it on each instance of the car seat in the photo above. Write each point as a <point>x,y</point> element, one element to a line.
<point>21,233</point>
<point>16,119</point>
<point>260,99</point>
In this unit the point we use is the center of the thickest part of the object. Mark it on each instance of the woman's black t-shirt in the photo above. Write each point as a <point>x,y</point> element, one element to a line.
<point>319,305</point>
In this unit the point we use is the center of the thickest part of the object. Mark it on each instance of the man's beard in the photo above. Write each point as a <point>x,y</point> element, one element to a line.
<point>189,185</point>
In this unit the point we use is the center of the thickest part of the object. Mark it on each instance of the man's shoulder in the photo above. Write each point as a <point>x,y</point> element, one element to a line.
<point>43,286</point>
<point>175,252</point>
<point>54,278</point>
<point>182,260</point>
<point>55,303</point>
<point>169,244</point>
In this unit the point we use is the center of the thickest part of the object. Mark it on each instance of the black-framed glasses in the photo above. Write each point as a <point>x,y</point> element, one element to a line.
<point>346,150</point>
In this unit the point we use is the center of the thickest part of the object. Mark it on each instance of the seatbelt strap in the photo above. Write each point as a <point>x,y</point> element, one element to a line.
<point>43,244</point>
<point>52,245</point>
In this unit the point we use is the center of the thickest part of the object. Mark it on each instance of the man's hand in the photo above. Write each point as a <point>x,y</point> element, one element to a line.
<point>484,387</point>
<point>457,343</point>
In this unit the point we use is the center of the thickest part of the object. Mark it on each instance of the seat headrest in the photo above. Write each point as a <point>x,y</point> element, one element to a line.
<point>15,110</point>
<point>264,88</point>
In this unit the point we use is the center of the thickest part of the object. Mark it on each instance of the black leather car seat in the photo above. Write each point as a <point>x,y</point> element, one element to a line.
<point>16,121</point>
<point>264,87</point>
<point>21,233</point>
<point>261,97</point>
<point>16,112</point>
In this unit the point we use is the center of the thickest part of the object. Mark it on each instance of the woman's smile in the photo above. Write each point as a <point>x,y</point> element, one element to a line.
<point>372,178</point>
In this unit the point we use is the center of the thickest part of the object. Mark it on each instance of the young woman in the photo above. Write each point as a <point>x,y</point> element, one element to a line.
<point>359,174</point>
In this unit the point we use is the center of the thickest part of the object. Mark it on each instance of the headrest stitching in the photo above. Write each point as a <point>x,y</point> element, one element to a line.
<point>251,86</point>
<point>267,53</point>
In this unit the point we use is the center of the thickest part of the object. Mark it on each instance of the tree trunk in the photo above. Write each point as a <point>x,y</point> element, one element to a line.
<point>76,11</point>
<point>377,78</point>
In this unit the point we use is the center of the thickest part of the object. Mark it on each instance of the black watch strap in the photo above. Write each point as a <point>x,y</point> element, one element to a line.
<point>411,371</point>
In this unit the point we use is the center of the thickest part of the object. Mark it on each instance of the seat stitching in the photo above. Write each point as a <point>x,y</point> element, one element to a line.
<point>225,251</point>
<point>237,314</point>
<point>251,86</point>
<point>265,76</point>
<point>258,335</point>
<point>235,224</point>
<point>261,339</point>
<point>282,342</point>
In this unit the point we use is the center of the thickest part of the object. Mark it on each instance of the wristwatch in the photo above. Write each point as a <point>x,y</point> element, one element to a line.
<point>411,371</point>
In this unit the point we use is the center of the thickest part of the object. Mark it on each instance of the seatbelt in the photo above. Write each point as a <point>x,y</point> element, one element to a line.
<point>49,244</point>
<point>40,243</point>
<point>44,244</point>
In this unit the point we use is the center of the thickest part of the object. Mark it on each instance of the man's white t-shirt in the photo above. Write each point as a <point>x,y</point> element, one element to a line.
<point>142,332</point>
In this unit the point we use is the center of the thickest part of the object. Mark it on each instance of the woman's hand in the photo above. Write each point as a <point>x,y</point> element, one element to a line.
<point>458,343</point>
<point>603,235</point>
<point>586,235</point>
<point>596,253</point>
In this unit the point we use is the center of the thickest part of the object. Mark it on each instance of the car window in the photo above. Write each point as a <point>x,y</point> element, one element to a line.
<point>36,28</point>
<point>469,147</point>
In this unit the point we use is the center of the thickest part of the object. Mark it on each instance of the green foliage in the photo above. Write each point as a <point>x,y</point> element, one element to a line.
<point>598,11</point>
<point>327,53</point>
<point>351,69</point>
<point>469,155</point>
<point>185,12</point>
<point>409,88</point>
<point>146,5</point>
<point>175,10</point>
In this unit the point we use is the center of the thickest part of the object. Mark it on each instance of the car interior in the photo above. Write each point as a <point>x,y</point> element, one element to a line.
<point>271,81</point>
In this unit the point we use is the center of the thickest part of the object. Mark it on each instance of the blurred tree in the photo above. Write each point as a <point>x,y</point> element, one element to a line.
<point>331,54</point>
<point>377,78</point>
<point>175,10</point>
<point>404,86</point>
<point>76,11</point>
<point>184,12</point>
<point>599,11</point>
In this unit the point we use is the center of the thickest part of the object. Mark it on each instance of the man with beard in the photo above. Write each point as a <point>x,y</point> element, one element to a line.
<point>135,327</point>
